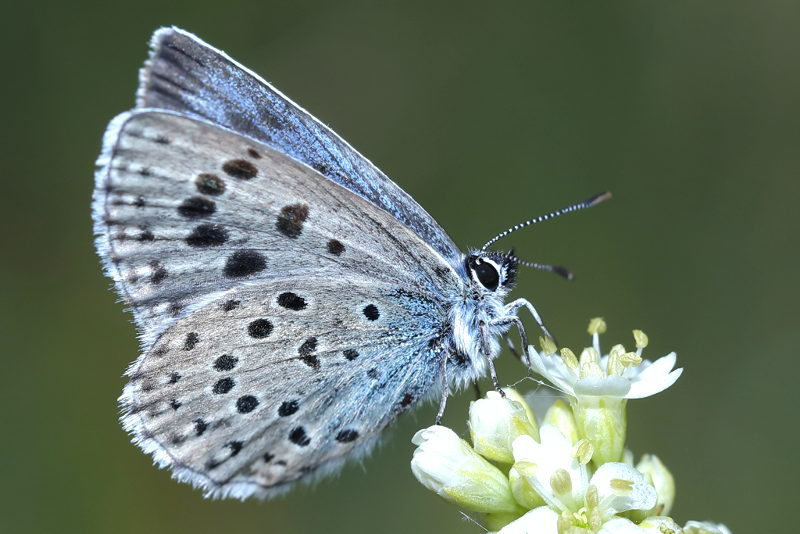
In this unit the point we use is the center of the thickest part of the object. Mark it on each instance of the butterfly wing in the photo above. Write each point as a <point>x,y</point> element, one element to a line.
<point>186,75</point>
<point>256,281</point>
<point>243,401</point>
<point>184,209</point>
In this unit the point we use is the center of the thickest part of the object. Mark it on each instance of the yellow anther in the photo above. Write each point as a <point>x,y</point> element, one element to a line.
<point>590,368</point>
<point>548,346</point>
<point>630,359</point>
<point>620,485</point>
<point>597,326</point>
<point>561,482</point>
<point>589,355</point>
<point>640,338</point>
<point>583,451</point>
<point>569,358</point>
<point>617,349</point>
<point>592,497</point>
<point>614,366</point>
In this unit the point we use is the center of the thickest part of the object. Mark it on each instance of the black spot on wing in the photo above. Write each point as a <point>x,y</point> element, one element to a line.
<point>235,447</point>
<point>350,354</point>
<point>191,341</point>
<point>347,435</point>
<point>244,263</point>
<point>287,408</point>
<point>246,403</point>
<point>299,437</point>
<point>209,184</point>
<point>146,235</point>
<point>230,305</point>
<point>371,312</point>
<point>240,168</point>
<point>223,385</point>
<point>197,207</point>
<point>291,218</point>
<point>207,235</point>
<point>225,362</point>
<point>200,427</point>
<point>335,247</point>
<point>292,301</point>
<point>260,328</point>
<point>306,352</point>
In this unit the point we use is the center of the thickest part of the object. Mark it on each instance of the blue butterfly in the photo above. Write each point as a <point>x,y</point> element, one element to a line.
<point>291,299</point>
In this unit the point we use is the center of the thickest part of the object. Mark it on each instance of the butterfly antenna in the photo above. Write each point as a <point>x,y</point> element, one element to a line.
<point>593,201</point>
<point>557,269</point>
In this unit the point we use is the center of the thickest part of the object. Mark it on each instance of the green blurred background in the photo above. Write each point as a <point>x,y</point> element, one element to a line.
<point>686,110</point>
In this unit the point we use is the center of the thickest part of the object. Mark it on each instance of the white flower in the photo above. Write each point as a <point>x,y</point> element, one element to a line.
<point>618,374</point>
<point>551,469</point>
<point>705,527</point>
<point>599,387</point>
<point>540,520</point>
<point>554,470</point>
<point>620,488</point>
<point>447,465</point>
<point>496,421</point>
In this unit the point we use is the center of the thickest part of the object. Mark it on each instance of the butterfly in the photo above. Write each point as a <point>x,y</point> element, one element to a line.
<point>291,300</point>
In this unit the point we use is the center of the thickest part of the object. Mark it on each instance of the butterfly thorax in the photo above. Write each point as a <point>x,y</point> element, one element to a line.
<point>477,314</point>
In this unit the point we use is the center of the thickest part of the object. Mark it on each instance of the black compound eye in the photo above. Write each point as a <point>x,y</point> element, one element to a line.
<point>487,274</point>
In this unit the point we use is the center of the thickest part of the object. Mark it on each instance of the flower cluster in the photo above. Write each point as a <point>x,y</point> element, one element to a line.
<point>566,472</point>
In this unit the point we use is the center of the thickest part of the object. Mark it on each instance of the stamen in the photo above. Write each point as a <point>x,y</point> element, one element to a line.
<point>597,326</point>
<point>583,451</point>
<point>561,482</point>
<point>621,486</point>
<point>548,347</point>
<point>641,341</point>
<point>569,358</point>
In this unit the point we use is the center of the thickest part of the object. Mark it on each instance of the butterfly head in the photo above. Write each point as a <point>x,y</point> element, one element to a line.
<point>492,271</point>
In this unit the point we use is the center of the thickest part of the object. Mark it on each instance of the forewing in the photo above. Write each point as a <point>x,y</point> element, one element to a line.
<point>242,400</point>
<point>184,209</point>
<point>186,75</point>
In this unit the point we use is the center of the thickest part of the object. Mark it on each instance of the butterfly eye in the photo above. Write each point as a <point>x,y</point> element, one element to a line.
<point>486,273</point>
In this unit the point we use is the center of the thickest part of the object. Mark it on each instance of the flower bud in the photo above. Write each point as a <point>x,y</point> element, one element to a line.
<point>514,395</point>
<point>661,479</point>
<point>521,486</point>
<point>447,465</point>
<point>495,422</point>
<point>560,416</point>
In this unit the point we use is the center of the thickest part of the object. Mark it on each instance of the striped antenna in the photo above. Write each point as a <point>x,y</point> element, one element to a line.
<point>557,269</point>
<point>593,201</point>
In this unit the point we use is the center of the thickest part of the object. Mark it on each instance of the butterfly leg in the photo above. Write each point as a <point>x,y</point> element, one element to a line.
<point>486,351</point>
<point>522,336</point>
<point>445,391</point>
<point>512,307</point>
